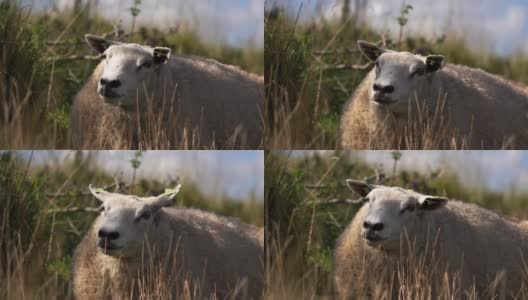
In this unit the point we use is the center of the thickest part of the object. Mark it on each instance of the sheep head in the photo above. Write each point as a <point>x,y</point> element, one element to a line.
<point>126,220</point>
<point>400,77</point>
<point>127,68</point>
<point>392,212</point>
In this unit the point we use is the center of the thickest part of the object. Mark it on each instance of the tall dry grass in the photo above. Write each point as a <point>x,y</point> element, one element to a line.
<point>158,276</point>
<point>424,127</point>
<point>155,279</point>
<point>417,274</point>
<point>157,124</point>
<point>420,276</point>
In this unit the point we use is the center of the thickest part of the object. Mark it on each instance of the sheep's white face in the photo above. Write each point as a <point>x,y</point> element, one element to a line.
<point>124,225</point>
<point>400,77</point>
<point>126,68</point>
<point>392,213</point>
<point>126,221</point>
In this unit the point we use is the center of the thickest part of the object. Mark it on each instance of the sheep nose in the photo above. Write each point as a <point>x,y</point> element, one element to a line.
<point>374,227</point>
<point>110,235</point>
<point>110,83</point>
<point>383,89</point>
<point>377,227</point>
<point>388,89</point>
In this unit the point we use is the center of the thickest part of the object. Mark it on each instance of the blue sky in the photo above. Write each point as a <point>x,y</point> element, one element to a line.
<point>495,26</point>
<point>234,22</point>
<point>497,170</point>
<point>237,174</point>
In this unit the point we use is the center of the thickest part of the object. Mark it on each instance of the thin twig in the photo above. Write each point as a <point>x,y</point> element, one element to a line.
<point>330,52</point>
<point>74,57</point>
<point>378,177</point>
<point>72,209</point>
<point>335,201</point>
<point>116,185</point>
<point>117,32</point>
<point>362,67</point>
<point>347,66</point>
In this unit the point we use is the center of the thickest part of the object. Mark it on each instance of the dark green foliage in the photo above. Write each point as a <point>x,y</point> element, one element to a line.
<point>20,62</point>
<point>285,63</point>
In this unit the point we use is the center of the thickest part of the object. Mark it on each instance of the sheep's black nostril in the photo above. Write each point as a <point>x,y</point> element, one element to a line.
<point>111,235</point>
<point>377,227</point>
<point>376,87</point>
<point>103,81</point>
<point>114,83</point>
<point>102,233</point>
<point>114,235</point>
<point>388,89</point>
<point>366,224</point>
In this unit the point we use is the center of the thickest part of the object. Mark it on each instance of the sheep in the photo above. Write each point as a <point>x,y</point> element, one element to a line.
<point>411,101</point>
<point>137,245</point>
<point>476,247</point>
<point>140,96</point>
<point>524,225</point>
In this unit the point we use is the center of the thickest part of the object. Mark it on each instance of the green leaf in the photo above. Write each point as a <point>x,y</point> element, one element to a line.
<point>169,192</point>
<point>99,190</point>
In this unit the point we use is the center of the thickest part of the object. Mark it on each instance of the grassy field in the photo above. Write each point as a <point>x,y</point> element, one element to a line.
<point>45,211</point>
<point>305,214</point>
<point>44,61</point>
<point>313,67</point>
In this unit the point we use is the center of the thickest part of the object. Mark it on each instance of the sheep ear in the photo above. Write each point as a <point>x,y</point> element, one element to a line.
<point>98,43</point>
<point>359,187</point>
<point>164,199</point>
<point>370,50</point>
<point>431,202</point>
<point>98,193</point>
<point>161,55</point>
<point>434,63</point>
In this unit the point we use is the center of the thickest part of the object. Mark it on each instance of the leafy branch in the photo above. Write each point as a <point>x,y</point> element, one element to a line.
<point>134,11</point>
<point>403,18</point>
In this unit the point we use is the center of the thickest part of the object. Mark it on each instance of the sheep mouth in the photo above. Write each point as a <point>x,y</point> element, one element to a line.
<point>107,246</point>
<point>109,95</point>
<point>373,239</point>
<point>384,101</point>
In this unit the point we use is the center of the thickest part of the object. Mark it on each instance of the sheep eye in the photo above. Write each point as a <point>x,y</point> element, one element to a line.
<point>147,65</point>
<point>417,72</point>
<point>377,65</point>
<point>408,208</point>
<point>145,215</point>
<point>101,209</point>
